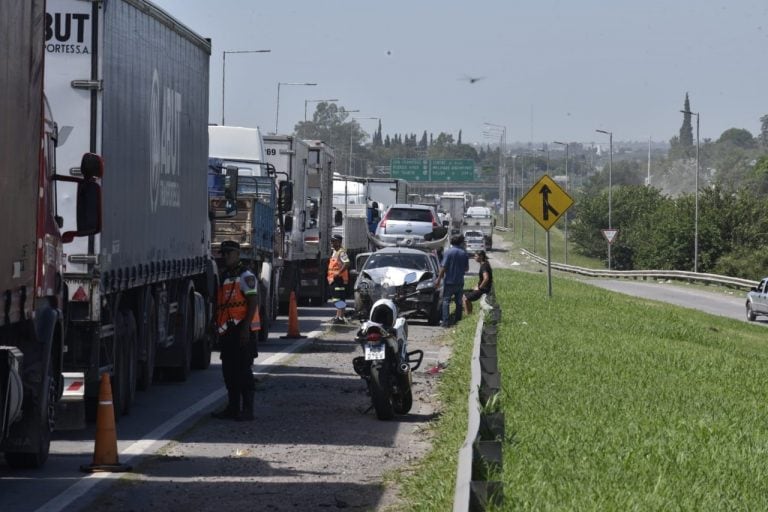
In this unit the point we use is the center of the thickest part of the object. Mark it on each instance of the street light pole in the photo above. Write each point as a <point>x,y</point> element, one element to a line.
<point>277,112</point>
<point>223,73</point>
<point>565,215</point>
<point>610,187</point>
<point>696,201</point>
<point>351,131</point>
<point>315,101</point>
<point>502,170</point>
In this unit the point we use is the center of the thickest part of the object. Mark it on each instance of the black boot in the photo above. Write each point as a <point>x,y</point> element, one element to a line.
<point>232,410</point>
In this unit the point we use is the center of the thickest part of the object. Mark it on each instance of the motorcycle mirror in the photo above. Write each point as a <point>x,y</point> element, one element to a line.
<point>410,278</point>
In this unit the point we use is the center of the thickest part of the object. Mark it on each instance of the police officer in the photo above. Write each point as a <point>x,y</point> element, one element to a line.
<point>338,276</point>
<point>237,319</point>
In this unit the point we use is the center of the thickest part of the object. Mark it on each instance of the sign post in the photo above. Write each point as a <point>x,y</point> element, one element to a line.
<point>546,202</point>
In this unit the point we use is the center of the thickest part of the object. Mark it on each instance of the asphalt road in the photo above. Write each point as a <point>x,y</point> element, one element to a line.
<point>157,414</point>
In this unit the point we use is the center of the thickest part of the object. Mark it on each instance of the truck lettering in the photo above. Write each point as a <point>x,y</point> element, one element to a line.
<point>65,33</point>
<point>165,140</point>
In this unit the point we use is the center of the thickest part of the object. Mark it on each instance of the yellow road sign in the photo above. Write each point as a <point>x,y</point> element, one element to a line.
<point>546,202</point>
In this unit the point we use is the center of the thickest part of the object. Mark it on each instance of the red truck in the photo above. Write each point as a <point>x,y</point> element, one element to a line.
<point>33,383</point>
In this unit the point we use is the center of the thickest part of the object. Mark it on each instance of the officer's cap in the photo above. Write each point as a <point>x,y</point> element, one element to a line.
<point>338,238</point>
<point>229,245</point>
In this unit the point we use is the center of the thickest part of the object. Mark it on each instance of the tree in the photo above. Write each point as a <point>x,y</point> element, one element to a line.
<point>686,130</point>
<point>764,131</point>
<point>423,141</point>
<point>458,141</point>
<point>739,137</point>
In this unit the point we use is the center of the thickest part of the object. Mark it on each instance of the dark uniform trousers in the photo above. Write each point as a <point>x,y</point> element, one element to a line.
<point>236,365</point>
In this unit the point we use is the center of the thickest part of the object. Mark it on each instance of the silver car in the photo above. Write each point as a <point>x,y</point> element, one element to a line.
<point>405,224</point>
<point>474,241</point>
<point>757,300</point>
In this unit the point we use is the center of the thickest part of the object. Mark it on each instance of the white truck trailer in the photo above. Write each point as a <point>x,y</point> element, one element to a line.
<point>130,82</point>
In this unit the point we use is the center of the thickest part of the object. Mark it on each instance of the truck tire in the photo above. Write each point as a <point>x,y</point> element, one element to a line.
<point>131,360</point>
<point>19,460</point>
<point>148,339</point>
<point>185,327</point>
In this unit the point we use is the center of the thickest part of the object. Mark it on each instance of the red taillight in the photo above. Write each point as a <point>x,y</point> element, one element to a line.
<point>383,223</point>
<point>434,221</point>
<point>374,336</point>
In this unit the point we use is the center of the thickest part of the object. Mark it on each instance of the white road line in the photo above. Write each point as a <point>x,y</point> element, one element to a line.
<point>157,438</point>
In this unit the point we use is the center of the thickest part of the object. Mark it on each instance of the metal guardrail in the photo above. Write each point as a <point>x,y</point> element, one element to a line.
<point>682,275</point>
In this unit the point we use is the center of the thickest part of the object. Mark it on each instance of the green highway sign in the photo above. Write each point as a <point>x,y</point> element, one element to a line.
<point>452,170</point>
<point>409,169</point>
<point>417,169</point>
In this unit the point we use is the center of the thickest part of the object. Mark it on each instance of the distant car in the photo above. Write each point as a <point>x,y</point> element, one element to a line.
<point>475,241</point>
<point>384,272</point>
<point>405,224</point>
<point>757,300</point>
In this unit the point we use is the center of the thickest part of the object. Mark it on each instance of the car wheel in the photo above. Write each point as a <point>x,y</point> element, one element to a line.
<point>751,316</point>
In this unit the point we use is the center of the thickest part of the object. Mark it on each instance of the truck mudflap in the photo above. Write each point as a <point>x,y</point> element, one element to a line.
<point>70,410</point>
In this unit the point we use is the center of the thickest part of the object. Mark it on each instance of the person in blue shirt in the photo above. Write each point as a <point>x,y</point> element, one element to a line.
<point>455,265</point>
<point>373,217</point>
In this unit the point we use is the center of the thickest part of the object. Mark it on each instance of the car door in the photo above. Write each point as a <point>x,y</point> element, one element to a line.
<point>761,299</point>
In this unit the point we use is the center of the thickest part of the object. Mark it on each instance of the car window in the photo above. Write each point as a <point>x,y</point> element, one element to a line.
<point>414,261</point>
<point>764,286</point>
<point>410,215</point>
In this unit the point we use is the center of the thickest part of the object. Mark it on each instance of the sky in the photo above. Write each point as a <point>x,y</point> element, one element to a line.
<point>550,69</point>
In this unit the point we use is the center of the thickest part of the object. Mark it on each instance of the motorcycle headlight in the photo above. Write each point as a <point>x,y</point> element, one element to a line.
<point>364,285</point>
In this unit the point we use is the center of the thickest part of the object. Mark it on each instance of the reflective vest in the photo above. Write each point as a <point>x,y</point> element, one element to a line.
<point>334,268</point>
<point>233,306</point>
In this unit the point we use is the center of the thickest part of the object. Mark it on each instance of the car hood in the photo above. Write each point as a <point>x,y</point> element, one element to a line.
<point>392,276</point>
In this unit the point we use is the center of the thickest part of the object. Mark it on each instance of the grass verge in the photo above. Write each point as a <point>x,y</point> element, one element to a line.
<point>613,403</point>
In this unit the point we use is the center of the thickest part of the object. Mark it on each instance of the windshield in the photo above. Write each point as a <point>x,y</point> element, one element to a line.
<point>412,261</point>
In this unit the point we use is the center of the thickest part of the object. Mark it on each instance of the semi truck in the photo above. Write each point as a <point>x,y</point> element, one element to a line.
<point>304,242</point>
<point>130,82</point>
<point>452,206</point>
<point>250,213</point>
<point>387,191</point>
<point>33,380</point>
<point>350,211</point>
<point>480,218</point>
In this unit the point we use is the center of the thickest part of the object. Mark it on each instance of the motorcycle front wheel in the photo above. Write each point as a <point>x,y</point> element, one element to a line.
<point>381,393</point>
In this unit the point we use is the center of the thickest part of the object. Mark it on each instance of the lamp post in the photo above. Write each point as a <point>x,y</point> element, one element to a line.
<point>502,169</point>
<point>315,101</point>
<point>696,201</point>
<point>223,73</point>
<point>565,215</point>
<point>351,131</point>
<point>610,187</point>
<point>277,112</point>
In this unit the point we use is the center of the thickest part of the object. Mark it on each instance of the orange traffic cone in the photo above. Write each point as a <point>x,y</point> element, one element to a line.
<point>293,319</point>
<point>105,447</point>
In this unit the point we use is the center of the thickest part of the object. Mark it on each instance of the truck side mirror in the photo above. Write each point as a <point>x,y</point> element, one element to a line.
<point>285,196</point>
<point>88,209</point>
<point>288,223</point>
<point>338,218</point>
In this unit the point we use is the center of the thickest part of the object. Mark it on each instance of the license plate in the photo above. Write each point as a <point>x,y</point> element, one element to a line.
<point>374,352</point>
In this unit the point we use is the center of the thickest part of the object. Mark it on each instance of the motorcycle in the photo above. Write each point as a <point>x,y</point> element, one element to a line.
<point>386,364</point>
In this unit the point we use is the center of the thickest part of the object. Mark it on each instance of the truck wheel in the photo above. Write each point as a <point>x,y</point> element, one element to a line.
<point>36,459</point>
<point>751,316</point>
<point>148,338</point>
<point>131,361</point>
<point>185,327</point>
<point>118,382</point>
<point>201,350</point>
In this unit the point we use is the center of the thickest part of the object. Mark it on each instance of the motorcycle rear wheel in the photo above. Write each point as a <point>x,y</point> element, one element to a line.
<point>381,393</point>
